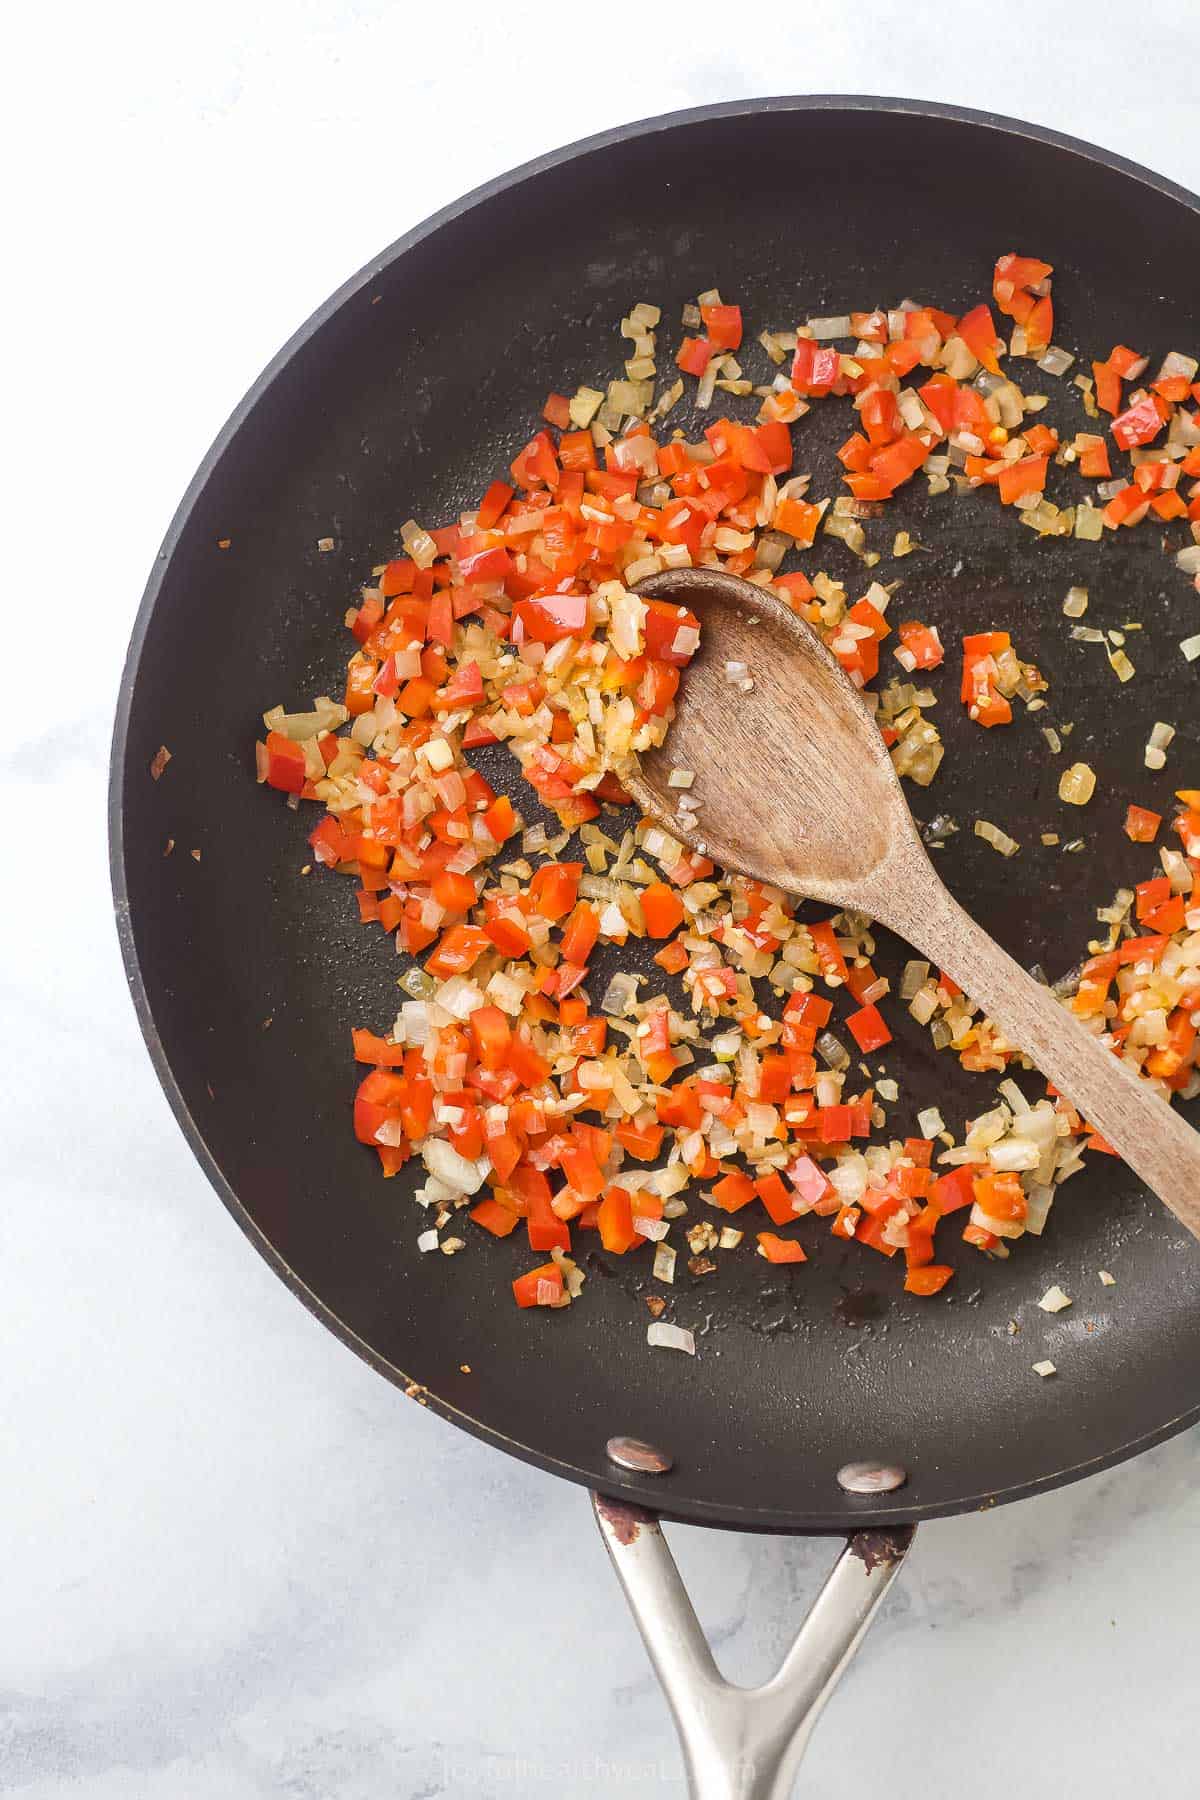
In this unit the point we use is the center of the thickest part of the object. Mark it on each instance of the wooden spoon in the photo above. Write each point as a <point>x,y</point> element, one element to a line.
<point>795,787</point>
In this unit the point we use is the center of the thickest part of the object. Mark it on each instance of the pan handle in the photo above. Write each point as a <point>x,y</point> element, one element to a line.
<point>744,1743</point>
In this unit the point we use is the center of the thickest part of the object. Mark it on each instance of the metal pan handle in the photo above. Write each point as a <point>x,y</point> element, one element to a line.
<point>744,1743</point>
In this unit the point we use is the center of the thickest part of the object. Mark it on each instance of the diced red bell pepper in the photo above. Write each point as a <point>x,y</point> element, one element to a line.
<point>540,1287</point>
<point>815,367</point>
<point>923,644</point>
<point>545,618</point>
<point>1140,423</point>
<point>505,1148</point>
<point>1108,386</point>
<point>798,518</point>
<point>929,1279</point>
<point>663,625</point>
<point>836,1124</point>
<point>460,948</point>
<point>662,909</point>
<point>955,1189</point>
<point>680,1106</point>
<point>1013,273</point>
<point>368,1048</point>
<point>492,506</point>
<point>693,355</point>
<point>579,937</point>
<point>526,1062</point>
<point>775,1195</point>
<point>614,1218</point>
<point>491,1035</point>
<point>330,842</point>
<point>881,418</point>
<point>723,325</point>
<point>464,688</point>
<point>1149,894</point>
<point>1169,1059</point>
<point>779,1250</point>
<point>1141,825</point>
<point>643,1141</point>
<point>870,1228</point>
<point>1028,476</point>
<point>544,1228</point>
<point>868,1029</point>
<point>829,956</point>
<point>476,732</point>
<point>1093,459</point>
<point>499,819</point>
<point>499,1220</point>
<point>284,763</point>
<point>733,1192</point>
<point>1000,1196</point>
<point>456,893</point>
<point>978,332</point>
<point>554,887</point>
<point>537,466</point>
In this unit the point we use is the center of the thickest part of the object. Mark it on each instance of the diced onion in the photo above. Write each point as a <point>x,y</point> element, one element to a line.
<point>459,996</point>
<point>418,543</point>
<point>654,1229</point>
<point>825,329</point>
<point>1078,783</point>
<point>664,1263</point>
<point>848,1178</point>
<point>1014,1154</point>
<point>924,1004</point>
<point>1038,1200</point>
<point>626,616</point>
<point>620,996</point>
<point>663,1336</point>
<point>415,1015</point>
<point>999,840</point>
<point>915,975</point>
<point>458,1172</point>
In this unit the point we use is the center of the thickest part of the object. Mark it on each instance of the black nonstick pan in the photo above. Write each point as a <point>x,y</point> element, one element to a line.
<point>402,397</point>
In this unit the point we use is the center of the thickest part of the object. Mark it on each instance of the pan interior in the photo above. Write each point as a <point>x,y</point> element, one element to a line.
<point>404,401</point>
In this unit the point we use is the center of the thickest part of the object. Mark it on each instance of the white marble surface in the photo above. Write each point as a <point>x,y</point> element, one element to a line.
<point>235,1565</point>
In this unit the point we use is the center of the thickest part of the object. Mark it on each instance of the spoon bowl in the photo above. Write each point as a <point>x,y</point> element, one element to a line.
<point>792,780</point>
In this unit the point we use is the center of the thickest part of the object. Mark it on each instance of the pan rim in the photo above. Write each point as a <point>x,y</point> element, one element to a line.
<point>850,1513</point>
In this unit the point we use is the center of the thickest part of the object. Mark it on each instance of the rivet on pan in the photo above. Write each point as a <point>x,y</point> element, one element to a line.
<point>871,1477</point>
<point>639,1458</point>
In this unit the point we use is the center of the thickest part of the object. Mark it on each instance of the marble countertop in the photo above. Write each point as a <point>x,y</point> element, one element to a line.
<point>236,1566</point>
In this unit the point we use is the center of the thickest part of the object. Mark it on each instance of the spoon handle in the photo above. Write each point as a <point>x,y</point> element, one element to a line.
<point>1156,1142</point>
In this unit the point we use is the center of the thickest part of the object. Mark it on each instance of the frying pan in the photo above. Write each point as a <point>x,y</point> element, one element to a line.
<point>401,398</point>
